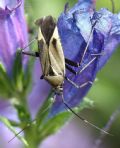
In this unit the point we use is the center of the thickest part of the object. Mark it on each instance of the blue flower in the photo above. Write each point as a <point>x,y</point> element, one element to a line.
<point>75,27</point>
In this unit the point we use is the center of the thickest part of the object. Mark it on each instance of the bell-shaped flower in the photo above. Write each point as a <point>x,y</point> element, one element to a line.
<point>13,31</point>
<point>88,37</point>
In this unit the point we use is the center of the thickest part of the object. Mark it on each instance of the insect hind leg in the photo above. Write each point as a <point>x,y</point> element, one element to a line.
<point>69,63</point>
<point>78,86</point>
<point>81,118</point>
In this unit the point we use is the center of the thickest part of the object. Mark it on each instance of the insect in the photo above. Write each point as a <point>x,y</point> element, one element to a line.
<point>54,63</point>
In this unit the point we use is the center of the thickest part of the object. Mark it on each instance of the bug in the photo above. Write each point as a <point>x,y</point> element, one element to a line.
<point>54,63</point>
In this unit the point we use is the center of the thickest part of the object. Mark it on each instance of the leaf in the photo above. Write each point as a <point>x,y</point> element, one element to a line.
<point>27,77</point>
<point>6,88</point>
<point>53,124</point>
<point>45,109</point>
<point>9,126</point>
<point>23,113</point>
<point>22,77</point>
<point>17,75</point>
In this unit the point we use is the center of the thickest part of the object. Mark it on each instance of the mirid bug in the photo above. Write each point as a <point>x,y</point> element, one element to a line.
<point>54,63</point>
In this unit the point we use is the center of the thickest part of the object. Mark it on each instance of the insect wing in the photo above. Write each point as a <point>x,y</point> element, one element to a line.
<point>56,54</point>
<point>44,56</point>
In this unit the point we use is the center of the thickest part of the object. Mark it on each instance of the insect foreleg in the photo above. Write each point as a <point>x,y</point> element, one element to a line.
<point>70,69</point>
<point>30,42</point>
<point>33,54</point>
<point>78,72</point>
<point>72,63</point>
<point>76,85</point>
<point>90,62</point>
<point>77,64</point>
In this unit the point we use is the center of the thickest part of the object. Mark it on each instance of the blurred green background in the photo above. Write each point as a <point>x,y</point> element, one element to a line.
<point>106,91</point>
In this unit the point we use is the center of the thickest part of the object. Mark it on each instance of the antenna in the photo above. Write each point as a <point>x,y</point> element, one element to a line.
<point>29,43</point>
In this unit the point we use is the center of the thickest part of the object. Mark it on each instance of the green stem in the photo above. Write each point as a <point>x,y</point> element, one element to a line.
<point>30,131</point>
<point>21,106</point>
<point>31,137</point>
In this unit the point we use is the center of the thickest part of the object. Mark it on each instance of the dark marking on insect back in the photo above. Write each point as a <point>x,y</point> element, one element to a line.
<point>54,42</point>
<point>47,26</point>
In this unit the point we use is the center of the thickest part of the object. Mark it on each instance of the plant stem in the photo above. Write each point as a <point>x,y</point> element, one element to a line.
<point>31,135</point>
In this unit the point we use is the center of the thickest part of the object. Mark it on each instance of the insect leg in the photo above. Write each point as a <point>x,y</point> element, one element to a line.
<point>70,69</point>
<point>81,118</point>
<point>77,64</point>
<point>72,63</point>
<point>90,36</point>
<point>98,54</point>
<point>30,43</point>
<point>34,54</point>
<point>90,62</point>
<point>78,86</point>
<point>86,48</point>
<point>78,72</point>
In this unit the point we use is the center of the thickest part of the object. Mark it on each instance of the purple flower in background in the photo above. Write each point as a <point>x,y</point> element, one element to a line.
<point>13,31</point>
<point>13,35</point>
<point>75,27</point>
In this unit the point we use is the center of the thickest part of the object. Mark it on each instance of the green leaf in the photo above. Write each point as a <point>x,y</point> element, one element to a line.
<point>6,88</point>
<point>23,113</point>
<point>53,124</point>
<point>8,124</point>
<point>44,109</point>
<point>27,77</point>
<point>22,77</point>
<point>17,75</point>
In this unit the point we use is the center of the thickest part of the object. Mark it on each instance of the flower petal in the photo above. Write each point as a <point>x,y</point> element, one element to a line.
<point>6,7</point>
<point>111,31</point>
<point>74,29</point>
<point>13,32</point>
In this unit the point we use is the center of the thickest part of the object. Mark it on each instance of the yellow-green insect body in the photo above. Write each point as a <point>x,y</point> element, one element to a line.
<point>51,53</point>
